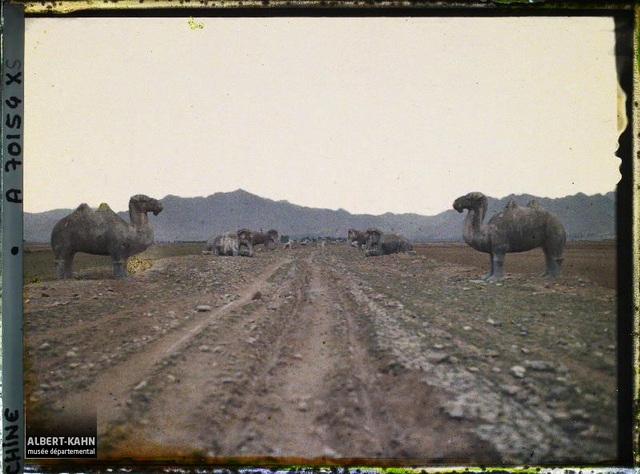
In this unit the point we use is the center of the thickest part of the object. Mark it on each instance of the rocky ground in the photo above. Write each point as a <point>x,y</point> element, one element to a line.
<point>320,354</point>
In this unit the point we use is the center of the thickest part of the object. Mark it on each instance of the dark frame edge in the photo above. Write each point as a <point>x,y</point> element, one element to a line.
<point>12,139</point>
<point>332,7</point>
<point>626,223</point>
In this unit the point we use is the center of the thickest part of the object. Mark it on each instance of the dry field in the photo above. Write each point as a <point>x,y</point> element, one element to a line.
<point>320,355</point>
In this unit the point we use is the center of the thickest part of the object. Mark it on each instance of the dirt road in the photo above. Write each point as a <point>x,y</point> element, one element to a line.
<point>321,354</point>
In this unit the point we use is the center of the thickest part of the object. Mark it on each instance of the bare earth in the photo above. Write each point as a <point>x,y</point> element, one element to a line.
<point>321,355</point>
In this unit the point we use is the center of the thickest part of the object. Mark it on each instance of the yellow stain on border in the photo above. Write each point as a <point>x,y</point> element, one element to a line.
<point>195,26</point>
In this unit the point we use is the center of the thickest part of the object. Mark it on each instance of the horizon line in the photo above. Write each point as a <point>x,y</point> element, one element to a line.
<point>326,208</point>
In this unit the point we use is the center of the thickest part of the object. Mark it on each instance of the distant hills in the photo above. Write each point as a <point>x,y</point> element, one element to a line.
<point>196,219</point>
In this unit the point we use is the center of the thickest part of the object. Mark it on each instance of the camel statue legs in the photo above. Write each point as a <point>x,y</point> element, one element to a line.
<point>496,265</point>
<point>64,266</point>
<point>553,262</point>
<point>120,268</point>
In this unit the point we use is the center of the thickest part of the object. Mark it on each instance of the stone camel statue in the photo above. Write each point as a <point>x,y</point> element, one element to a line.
<point>514,229</point>
<point>357,238</point>
<point>265,238</point>
<point>231,244</point>
<point>103,232</point>
<point>385,243</point>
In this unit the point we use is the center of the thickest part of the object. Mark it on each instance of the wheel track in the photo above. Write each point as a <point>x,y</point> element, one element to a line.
<point>247,435</point>
<point>283,406</point>
<point>359,376</point>
<point>192,414</point>
<point>109,391</point>
<point>290,384</point>
<point>462,388</point>
<point>404,410</point>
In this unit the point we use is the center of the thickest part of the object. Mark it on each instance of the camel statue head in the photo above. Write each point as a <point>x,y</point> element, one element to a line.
<point>357,238</point>
<point>474,200</point>
<point>143,204</point>
<point>245,245</point>
<point>373,241</point>
<point>273,235</point>
<point>374,233</point>
<point>244,235</point>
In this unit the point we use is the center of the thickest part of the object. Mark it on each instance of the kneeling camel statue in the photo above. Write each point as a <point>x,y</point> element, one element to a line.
<point>265,238</point>
<point>103,232</point>
<point>385,243</point>
<point>357,238</point>
<point>231,244</point>
<point>514,229</point>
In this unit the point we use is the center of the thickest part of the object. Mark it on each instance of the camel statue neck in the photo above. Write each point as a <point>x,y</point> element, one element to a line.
<point>138,219</point>
<point>474,232</point>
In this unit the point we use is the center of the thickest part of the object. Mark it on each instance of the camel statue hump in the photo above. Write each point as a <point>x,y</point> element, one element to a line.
<point>512,204</point>
<point>534,204</point>
<point>104,208</point>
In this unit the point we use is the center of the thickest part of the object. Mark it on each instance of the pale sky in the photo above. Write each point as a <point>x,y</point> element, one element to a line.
<point>370,115</point>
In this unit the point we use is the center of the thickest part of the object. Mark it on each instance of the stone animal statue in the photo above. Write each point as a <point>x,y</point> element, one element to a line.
<point>514,229</point>
<point>245,242</point>
<point>357,238</point>
<point>103,232</point>
<point>231,244</point>
<point>265,238</point>
<point>385,243</point>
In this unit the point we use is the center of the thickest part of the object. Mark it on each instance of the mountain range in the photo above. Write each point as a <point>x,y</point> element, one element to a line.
<point>198,218</point>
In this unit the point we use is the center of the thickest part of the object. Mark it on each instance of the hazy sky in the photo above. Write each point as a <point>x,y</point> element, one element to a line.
<point>366,114</point>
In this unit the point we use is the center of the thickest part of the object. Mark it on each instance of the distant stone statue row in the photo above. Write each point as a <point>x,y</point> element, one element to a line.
<point>103,232</point>
<point>240,243</point>
<point>514,229</point>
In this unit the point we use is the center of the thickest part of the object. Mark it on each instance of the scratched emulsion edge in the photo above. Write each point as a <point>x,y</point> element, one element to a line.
<point>636,235</point>
<point>627,227</point>
<point>11,185</point>
<point>11,199</point>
